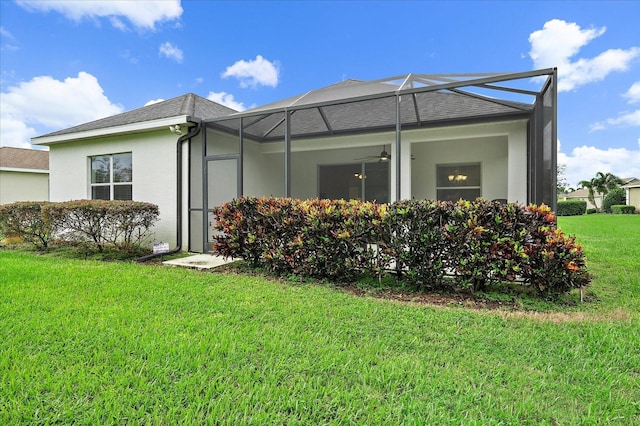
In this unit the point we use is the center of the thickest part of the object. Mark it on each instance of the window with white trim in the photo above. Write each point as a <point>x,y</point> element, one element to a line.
<point>111,177</point>
<point>458,181</point>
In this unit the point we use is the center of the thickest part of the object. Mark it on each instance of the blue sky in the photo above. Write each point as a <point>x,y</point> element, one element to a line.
<point>68,62</point>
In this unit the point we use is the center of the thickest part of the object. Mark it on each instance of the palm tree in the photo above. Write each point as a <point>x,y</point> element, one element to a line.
<point>602,183</point>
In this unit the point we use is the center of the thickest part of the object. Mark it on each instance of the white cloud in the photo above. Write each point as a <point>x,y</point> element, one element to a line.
<point>556,44</point>
<point>15,132</point>
<point>154,101</point>
<point>50,104</point>
<point>142,14</point>
<point>255,72</point>
<point>633,94</point>
<point>170,51</point>
<point>627,119</point>
<point>226,99</point>
<point>5,33</point>
<point>585,161</point>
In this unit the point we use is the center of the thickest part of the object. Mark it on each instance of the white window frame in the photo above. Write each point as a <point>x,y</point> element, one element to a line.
<point>111,184</point>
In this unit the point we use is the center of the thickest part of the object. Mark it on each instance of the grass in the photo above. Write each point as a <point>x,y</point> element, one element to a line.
<point>612,246</point>
<point>90,342</point>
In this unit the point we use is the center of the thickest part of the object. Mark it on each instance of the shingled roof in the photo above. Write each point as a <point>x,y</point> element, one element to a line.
<point>21,158</point>
<point>357,105</point>
<point>186,105</point>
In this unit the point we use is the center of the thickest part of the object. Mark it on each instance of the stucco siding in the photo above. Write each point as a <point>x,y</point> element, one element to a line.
<point>634,197</point>
<point>500,148</point>
<point>490,152</point>
<point>154,172</point>
<point>23,186</point>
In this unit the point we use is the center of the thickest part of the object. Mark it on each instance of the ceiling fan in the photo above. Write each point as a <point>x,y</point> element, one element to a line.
<point>383,156</point>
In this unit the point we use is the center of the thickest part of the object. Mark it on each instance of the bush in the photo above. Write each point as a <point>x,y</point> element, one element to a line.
<point>24,219</point>
<point>124,224</point>
<point>317,238</point>
<point>571,208</point>
<point>623,209</point>
<point>417,243</point>
<point>592,211</point>
<point>429,242</point>
<point>616,197</point>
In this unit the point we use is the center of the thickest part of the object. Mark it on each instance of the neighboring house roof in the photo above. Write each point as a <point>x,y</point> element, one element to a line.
<point>21,158</point>
<point>189,105</point>
<point>631,183</point>
<point>356,105</point>
<point>582,193</point>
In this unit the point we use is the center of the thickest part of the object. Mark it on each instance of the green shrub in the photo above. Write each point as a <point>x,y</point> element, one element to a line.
<point>418,245</point>
<point>616,197</point>
<point>623,209</point>
<point>571,208</point>
<point>317,238</point>
<point>24,219</point>
<point>592,211</point>
<point>472,243</point>
<point>123,224</point>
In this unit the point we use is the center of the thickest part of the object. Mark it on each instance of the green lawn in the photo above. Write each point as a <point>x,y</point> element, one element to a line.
<point>90,342</point>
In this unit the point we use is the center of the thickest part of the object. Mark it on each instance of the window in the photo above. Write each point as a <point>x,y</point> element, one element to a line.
<point>360,181</point>
<point>111,177</point>
<point>458,181</point>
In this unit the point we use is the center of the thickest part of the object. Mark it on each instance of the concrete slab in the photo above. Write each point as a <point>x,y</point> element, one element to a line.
<point>199,261</point>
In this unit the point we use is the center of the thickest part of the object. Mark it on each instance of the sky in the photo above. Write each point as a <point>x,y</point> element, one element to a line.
<point>65,63</point>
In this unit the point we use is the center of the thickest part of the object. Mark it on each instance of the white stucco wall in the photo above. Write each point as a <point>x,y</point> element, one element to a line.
<point>501,148</point>
<point>490,152</point>
<point>633,197</point>
<point>154,172</point>
<point>23,186</point>
<point>263,169</point>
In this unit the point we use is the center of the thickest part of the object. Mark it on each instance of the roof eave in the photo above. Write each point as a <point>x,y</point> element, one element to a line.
<point>143,126</point>
<point>23,170</point>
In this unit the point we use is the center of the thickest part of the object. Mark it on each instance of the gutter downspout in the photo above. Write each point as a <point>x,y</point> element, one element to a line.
<point>181,140</point>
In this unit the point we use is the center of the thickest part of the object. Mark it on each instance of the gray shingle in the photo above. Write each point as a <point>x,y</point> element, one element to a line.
<point>21,158</point>
<point>189,104</point>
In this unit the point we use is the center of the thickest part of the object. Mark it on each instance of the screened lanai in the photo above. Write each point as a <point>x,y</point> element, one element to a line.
<point>433,136</point>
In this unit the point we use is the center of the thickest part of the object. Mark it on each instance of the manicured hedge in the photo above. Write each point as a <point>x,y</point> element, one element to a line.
<point>623,209</point>
<point>318,238</point>
<point>24,219</point>
<point>429,244</point>
<point>571,208</point>
<point>121,224</point>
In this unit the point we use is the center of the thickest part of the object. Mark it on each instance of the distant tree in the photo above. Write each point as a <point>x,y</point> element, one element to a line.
<point>601,184</point>
<point>562,185</point>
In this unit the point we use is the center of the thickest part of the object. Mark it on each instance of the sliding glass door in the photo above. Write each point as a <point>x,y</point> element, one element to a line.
<point>359,181</point>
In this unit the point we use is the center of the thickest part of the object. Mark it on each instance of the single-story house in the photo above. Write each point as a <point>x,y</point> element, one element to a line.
<point>24,175</point>
<point>582,194</point>
<point>412,136</point>
<point>632,190</point>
